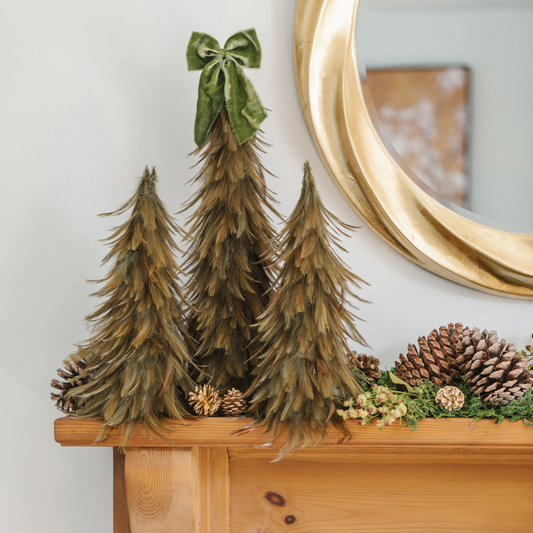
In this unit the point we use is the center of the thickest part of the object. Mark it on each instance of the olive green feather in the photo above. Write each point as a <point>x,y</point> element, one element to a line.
<point>230,234</point>
<point>304,370</point>
<point>136,364</point>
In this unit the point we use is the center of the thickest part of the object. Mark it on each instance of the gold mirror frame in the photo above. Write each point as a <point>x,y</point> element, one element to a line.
<point>410,219</point>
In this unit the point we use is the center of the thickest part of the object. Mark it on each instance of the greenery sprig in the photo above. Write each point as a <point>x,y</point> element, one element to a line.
<point>420,403</point>
<point>424,406</point>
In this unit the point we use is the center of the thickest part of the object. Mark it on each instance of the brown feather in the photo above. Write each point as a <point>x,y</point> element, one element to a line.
<point>304,370</point>
<point>137,361</point>
<point>228,258</point>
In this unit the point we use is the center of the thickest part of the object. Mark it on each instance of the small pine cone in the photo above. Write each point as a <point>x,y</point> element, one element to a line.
<point>233,403</point>
<point>493,369</point>
<point>205,400</point>
<point>367,364</point>
<point>73,376</point>
<point>435,360</point>
<point>451,398</point>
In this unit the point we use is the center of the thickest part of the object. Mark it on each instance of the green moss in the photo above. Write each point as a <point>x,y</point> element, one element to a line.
<point>423,405</point>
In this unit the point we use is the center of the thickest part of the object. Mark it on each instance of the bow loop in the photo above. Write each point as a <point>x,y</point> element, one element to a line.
<point>244,47</point>
<point>201,50</point>
<point>223,80</point>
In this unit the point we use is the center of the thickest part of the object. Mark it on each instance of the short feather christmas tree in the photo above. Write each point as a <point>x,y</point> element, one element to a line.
<point>136,365</point>
<point>230,232</point>
<point>304,370</point>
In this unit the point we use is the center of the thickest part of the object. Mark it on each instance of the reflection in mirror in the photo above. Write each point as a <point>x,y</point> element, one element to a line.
<point>425,114</point>
<point>462,116</point>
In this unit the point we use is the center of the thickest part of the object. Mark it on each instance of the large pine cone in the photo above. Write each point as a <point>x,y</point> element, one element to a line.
<point>73,376</point>
<point>435,360</point>
<point>494,370</point>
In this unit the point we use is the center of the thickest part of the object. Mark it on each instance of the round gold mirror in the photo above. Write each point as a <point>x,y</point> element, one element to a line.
<point>410,217</point>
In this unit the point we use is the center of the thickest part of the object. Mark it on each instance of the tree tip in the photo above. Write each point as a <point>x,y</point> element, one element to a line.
<point>309,180</point>
<point>149,177</point>
<point>148,172</point>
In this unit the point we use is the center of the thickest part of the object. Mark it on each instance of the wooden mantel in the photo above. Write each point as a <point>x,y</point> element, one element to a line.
<point>451,475</point>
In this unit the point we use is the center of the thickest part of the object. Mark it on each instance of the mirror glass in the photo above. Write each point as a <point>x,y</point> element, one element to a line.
<point>452,84</point>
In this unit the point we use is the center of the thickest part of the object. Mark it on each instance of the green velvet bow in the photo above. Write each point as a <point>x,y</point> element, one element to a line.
<point>223,78</point>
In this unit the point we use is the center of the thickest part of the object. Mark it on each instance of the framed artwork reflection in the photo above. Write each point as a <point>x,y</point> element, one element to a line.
<point>425,112</point>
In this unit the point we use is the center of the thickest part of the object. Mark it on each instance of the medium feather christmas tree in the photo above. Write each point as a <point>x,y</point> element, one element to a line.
<point>304,368</point>
<point>230,231</point>
<point>135,367</point>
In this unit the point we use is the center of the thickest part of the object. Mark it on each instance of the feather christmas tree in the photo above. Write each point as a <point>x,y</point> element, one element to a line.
<point>135,367</point>
<point>230,231</point>
<point>304,368</point>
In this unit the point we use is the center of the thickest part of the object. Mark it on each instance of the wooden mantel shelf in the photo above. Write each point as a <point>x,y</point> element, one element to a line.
<point>450,475</point>
<point>455,433</point>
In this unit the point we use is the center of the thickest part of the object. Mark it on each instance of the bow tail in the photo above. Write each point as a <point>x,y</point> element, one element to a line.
<point>210,101</point>
<point>245,109</point>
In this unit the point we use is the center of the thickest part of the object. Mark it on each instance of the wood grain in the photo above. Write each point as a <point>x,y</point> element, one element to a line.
<point>448,476</point>
<point>398,454</point>
<point>345,497</point>
<point>158,486</point>
<point>219,489</point>
<point>218,432</point>
<point>210,489</point>
<point>200,488</point>
<point>121,519</point>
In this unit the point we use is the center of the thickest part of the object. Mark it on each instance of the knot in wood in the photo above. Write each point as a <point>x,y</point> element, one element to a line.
<point>289,519</point>
<point>275,499</point>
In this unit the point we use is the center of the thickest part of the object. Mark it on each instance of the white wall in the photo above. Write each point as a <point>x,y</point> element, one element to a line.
<point>92,92</point>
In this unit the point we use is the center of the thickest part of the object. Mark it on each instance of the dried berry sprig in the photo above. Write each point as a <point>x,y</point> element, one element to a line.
<point>379,406</point>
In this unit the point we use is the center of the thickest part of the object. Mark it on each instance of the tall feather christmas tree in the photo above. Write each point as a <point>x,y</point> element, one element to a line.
<point>304,370</point>
<point>135,367</point>
<point>230,231</point>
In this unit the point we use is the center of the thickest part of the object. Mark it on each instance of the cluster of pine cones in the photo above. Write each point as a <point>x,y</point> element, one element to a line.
<point>205,400</point>
<point>493,368</point>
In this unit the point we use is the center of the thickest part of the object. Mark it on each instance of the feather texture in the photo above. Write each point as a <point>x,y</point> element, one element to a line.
<point>137,362</point>
<point>230,234</point>
<point>304,368</point>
